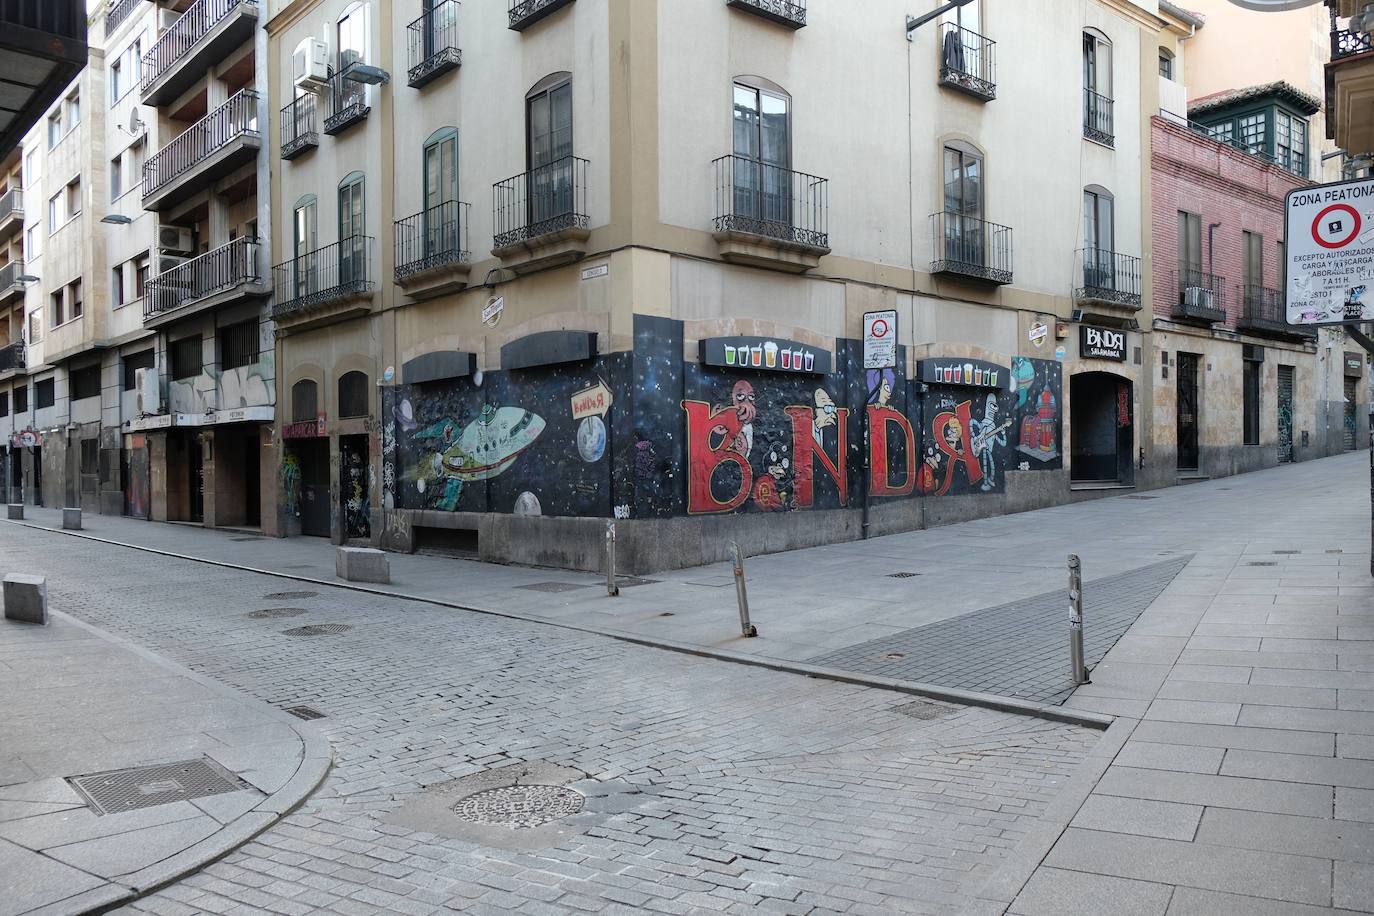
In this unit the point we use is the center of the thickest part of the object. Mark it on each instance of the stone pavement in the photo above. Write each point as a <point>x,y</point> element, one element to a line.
<point>708,786</point>
<point>78,702</point>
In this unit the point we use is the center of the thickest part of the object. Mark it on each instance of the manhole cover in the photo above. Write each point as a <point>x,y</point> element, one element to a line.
<point>1262,563</point>
<point>289,596</point>
<point>519,806</point>
<point>902,575</point>
<point>318,629</point>
<point>116,791</point>
<point>269,613</point>
<point>920,709</point>
<point>305,712</point>
<point>552,587</point>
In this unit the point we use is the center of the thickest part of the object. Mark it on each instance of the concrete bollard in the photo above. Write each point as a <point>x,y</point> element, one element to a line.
<point>26,598</point>
<point>15,512</point>
<point>362,564</point>
<point>71,519</point>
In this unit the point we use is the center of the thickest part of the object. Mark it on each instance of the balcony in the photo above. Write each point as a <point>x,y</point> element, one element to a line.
<point>790,14</point>
<point>11,287</point>
<point>201,38</point>
<point>225,276</point>
<point>1108,279</point>
<point>11,214</point>
<point>347,103</point>
<point>329,284</point>
<point>1222,133</point>
<point>12,356</point>
<point>1097,118</point>
<point>42,47</point>
<point>1263,312</point>
<point>298,131</point>
<point>1201,296</point>
<point>432,41</point>
<point>432,256</point>
<point>768,216</point>
<point>525,13</point>
<point>222,141</point>
<point>540,216</point>
<point>1345,43</point>
<point>119,12</point>
<point>968,248</point>
<point>968,62</point>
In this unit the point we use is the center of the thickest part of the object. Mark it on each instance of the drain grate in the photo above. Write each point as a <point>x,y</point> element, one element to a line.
<point>552,587</point>
<point>304,712</point>
<point>520,806</point>
<point>116,791</point>
<point>249,538</point>
<point>632,581</point>
<point>1137,496</point>
<point>902,575</point>
<point>1336,550</point>
<point>893,656</point>
<point>1288,551</point>
<point>920,709</point>
<point>289,596</point>
<point>271,612</point>
<point>1261,563</point>
<point>318,629</point>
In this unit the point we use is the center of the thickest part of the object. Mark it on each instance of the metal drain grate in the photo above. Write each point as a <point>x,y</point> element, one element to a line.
<point>249,538</point>
<point>116,791</point>
<point>304,712</point>
<point>271,612</point>
<point>1137,496</point>
<point>1288,551</point>
<point>552,587</point>
<point>1336,550</point>
<point>289,596</point>
<point>632,581</point>
<point>893,656</point>
<point>318,629</point>
<point>1262,563</point>
<point>520,806</point>
<point>902,575</point>
<point>920,709</point>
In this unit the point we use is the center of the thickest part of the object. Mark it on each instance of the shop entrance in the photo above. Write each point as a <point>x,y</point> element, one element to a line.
<point>38,475</point>
<point>1285,401</point>
<point>1351,395</point>
<point>1100,428</point>
<point>1188,452</point>
<point>313,457</point>
<point>238,475</point>
<point>354,493</point>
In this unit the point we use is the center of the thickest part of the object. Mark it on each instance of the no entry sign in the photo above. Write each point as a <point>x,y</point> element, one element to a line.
<point>1330,235</point>
<point>880,339</point>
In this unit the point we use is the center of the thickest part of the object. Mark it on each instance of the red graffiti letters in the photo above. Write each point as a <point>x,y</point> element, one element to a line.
<point>953,437</point>
<point>880,480</point>
<point>806,446</point>
<point>704,457</point>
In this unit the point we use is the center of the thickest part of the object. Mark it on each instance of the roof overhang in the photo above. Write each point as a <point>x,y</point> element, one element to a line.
<point>42,48</point>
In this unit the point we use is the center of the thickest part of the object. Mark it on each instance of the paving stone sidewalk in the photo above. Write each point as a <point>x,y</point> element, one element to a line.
<point>78,702</point>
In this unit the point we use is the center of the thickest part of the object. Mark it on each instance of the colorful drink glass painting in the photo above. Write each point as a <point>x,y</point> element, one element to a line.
<point>810,360</point>
<point>786,358</point>
<point>729,355</point>
<point>770,353</point>
<point>757,355</point>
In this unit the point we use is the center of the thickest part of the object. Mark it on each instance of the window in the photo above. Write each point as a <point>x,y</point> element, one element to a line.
<point>963,204</point>
<point>238,345</point>
<point>117,286</point>
<point>73,110</point>
<point>352,246</point>
<point>75,304</point>
<point>21,399</point>
<point>54,127</point>
<point>57,312</point>
<point>352,45</point>
<point>116,177</point>
<point>1189,250</point>
<point>4,403</point>
<point>35,326</point>
<point>85,383</point>
<point>54,212</point>
<point>304,232</point>
<point>74,198</point>
<point>136,62</point>
<point>549,147</point>
<point>31,250</point>
<point>1097,63</point>
<point>966,16</point>
<point>44,394</point>
<point>1290,142</point>
<point>134,362</point>
<point>134,166</point>
<point>116,80</point>
<point>1250,389</point>
<point>1166,64</point>
<point>90,456</point>
<point>1252,258</point>
<point>1252,128</point>
<point>304,401</point>
<point>30,168</point>
<point>763,150</point>
<point>1098,224</point>
<point>186,358</point>
<point>441,167</point>
<point>353,394</point>
<point>140,275</point>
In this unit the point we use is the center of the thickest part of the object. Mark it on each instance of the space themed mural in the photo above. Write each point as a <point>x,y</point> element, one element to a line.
<point>646,434</point>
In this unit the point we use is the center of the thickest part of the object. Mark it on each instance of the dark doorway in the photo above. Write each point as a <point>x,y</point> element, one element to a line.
<point>16,476</point>
<point>195,479</point>
<point>252,479</point>
<point>1350,399</point>
<point>1285,402</point>
<point>355,504</point>
<point>1101,428</point>
<point>313,455</point>
<point>1188,452</point>
<point>38,475</point>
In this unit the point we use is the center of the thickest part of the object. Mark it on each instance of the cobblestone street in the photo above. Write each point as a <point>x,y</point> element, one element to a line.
<point>709,786</point>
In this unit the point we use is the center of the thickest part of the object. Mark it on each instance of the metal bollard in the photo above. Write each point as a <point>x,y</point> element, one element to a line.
<point>746,628</point>
<point>612,590</point>
<point>1080,670</point>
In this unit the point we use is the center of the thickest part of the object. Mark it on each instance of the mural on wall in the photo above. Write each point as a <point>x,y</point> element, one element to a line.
<point>357,492</point>
<point>253,385</point>
<point>1038,385</point>
<point>137,497</point>
<point>291,485</point>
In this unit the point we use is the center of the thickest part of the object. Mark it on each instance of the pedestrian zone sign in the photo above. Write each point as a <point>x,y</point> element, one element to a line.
<point>1330,244</point>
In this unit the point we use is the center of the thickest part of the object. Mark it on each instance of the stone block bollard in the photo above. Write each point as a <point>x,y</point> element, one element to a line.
<point>71,519</point>
<point>15,512</point>
<point>26,598</point>
<point>362,564</point>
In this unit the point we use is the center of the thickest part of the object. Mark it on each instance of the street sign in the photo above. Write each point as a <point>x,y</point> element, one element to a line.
<point>1330,247</point>
<point>880,339</point>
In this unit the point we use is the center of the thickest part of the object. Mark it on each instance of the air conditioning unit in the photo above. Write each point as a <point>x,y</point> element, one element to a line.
<point>149,393</point>
<point>310,65</point>
<point>1198,296</point>
<point>175,239</point>
<point>166,19</point>
<point>166,263</point>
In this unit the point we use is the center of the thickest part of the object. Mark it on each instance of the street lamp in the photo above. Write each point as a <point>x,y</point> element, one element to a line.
<point>26,278</point>
<point>366,73</point>
<point>116,219</point>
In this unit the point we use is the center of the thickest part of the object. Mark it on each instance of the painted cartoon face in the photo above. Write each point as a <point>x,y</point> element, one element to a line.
<point>825,410</point>
<point>954,435</point>
<point>990,411</point>
<point>743,397</point>
<point>778,462</point>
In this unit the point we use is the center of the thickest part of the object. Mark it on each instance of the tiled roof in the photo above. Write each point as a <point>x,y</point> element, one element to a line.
<point>1282,91</point>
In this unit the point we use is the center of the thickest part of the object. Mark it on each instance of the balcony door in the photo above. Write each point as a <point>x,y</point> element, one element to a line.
<point>352,45</point>
<point>440,220</point>
<point>438,26</point>
<point>1189,254</point>
<point>763,156</point>
<point>306,240</point>
<point>351,230</point>
<point>1252,264</point>
<point>549,149</point>
<point>965,238</point>
<point>1099,239</point>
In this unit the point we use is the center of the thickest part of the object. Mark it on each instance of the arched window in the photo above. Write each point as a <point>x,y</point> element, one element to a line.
<point>352,230</point>
<point>1098,220</point>
<point>305,239</point>
<point>762,144</point>
<point>305,402</point>
<point>352,49</point>
<point>549,148</point>
<point>1166,63</point>
<point>1097,87</point>
<point>441,167</point>
<point>353,394</point>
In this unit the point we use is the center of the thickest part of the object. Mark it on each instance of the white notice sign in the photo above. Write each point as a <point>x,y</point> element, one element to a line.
<point>1330,234</point>
<point>880,339</point>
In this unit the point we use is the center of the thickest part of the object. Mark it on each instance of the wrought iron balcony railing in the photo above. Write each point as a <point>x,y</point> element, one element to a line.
<point>1263,309</point>
<point>1345,43</point>
<point>236,118</point>
<point>969,247</point>
<point>433,44</point>
<point>1110,277</point>
<point>117,13</point>
<point>347,102</point>
<point>12,204</point>
<point>183,35</point>
<point>755,198</point>
<point>298,130</point>
<point>540,202</point>
<point>432,238</point>
<point>1201,295</point>
<point>525,13</point>
<point>325,275</point>
<point>968,62</point>
<point>1097,118</point>
<point>788,13</point>
<point>9,278</point>
<point>12,356</point>
<point>217,271</point>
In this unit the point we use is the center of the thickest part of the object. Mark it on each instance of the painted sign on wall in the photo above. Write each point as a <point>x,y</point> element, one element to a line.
<point>1101,343</point>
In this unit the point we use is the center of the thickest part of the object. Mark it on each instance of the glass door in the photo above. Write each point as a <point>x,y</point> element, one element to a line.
<point>964,233</point>
<point>306,242</point>
<point>440,219</point>
<point>550,149</point>
<point>1098,239</point>
<point>351,230</point>
<point>763,151</point>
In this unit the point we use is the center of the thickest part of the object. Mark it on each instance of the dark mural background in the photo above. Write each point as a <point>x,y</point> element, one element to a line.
<point>677,437</point>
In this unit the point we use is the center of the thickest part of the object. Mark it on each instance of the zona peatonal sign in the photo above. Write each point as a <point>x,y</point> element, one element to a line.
<point>1330,252</point>
<point>1101,343</point>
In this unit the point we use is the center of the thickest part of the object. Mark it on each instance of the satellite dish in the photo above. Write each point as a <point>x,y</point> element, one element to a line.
<point>136,126</point>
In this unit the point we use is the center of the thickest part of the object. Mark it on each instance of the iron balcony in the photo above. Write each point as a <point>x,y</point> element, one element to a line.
<point>10,285</point>
<point>219,277</point>
<point>1201,296</point>
<point>970,248</point>
<point>201,38</point>
<point>323,277</point>
<point>1263,312</point>
<point>790,14</point>
<point>432,44</point>
<point>119,12</point>
<point>968,62</point>
<point>214,146</point>
<point>433,238</point>
<point>1108,278</point>
<point>298,130</point>
<point>525,13</point>
<point>12,356</point>
<point>1097,118</point>
<point>347,103</point>
<point>541,202</point>
<point>11,214</point>
<point>1345,43</point>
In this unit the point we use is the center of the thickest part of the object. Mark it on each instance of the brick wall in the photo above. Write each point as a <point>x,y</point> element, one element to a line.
<point>1222,185</point>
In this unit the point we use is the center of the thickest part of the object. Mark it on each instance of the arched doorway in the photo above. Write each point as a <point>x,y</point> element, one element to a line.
<point>1101,428</point>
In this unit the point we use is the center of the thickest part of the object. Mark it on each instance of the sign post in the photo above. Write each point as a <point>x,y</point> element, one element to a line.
<point>880,352</point>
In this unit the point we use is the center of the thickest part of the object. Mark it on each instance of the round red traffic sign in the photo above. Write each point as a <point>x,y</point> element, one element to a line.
<point>1336,226</point>
<point>880,328</point>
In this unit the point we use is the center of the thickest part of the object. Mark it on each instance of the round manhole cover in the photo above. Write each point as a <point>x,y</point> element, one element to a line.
<point>519,806</point>
<point>289,596</point>
<point>318,629</point>
<point>269,613</point>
